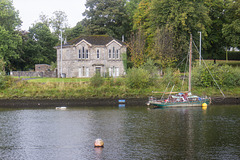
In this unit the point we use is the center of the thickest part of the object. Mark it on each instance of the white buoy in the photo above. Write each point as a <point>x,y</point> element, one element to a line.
<point>61,108</point>
<point>99,143</point>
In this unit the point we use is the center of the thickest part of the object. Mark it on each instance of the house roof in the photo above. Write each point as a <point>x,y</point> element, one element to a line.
<point>95,40</point>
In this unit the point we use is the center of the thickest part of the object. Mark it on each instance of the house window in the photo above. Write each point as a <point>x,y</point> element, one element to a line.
<point>79,54</point>
<point>98,54</point>
<point>83,56</point>
<point>117,56</point>
<point>113,52</point>
<point>80,72</point>
<point>83,72</point>
<point>87,72</point>
<point>117,72</point>
<point>109,55</point>
<point>87,53</point>
<point>110,72</point>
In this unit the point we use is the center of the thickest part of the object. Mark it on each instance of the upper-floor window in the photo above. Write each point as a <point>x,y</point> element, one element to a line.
<point>117,54</point>
<point>98,54</point>
<point>83,55</point>
<point>86,53</point>
<point>109,53</point>
<point>113,53</point>
<point>79,53</point>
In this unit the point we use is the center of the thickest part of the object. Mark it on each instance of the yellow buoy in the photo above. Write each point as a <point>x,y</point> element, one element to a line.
<point>204,105</point>
<point>99,143</point>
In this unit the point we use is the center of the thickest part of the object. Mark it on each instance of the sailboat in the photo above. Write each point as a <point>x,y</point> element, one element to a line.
<point>181,99</point>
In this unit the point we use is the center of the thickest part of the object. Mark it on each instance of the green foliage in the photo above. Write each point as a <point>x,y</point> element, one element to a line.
<point>171,76</point>
<point>75,31</point>
<point>39,45</point>
<point>124,59</point>
<point>106,17</point>
<point>59,22</point>
<point>9,39</point>
<point>5,81</point>
<point>97,80</point>
<point>152,70</point>
<point>225,76</point>
<point>231,29</point>
<point>9,18</point>
<point>138,78</point>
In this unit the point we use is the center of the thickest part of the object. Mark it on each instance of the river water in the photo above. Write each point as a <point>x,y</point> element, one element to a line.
<point>128,133</point>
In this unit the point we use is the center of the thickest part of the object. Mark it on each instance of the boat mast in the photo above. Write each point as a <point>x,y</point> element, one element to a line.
<point>190,65</point>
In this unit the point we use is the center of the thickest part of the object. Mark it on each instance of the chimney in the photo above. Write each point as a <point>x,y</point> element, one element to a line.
<point>122,38</point>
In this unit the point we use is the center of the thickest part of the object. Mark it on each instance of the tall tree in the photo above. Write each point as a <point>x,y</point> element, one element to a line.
<point>9,37</point>
<point>75,32</point>
<point>59,22</point>
<point>215,40</point>
<point>106,17</point>
<point>9,17</point>
<point>137,48</point>
<point>163,52</point>
<point>178,18</point>
<point>231,29</point>
<point>39,46</point>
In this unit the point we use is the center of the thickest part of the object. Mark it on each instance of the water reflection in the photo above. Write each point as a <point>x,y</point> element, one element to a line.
<point>128,133</point>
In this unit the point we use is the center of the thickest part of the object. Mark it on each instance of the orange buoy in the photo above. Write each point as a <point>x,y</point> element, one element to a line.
<point>99,143</point>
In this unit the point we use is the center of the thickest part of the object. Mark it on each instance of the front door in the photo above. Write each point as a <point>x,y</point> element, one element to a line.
<point>98,70</point>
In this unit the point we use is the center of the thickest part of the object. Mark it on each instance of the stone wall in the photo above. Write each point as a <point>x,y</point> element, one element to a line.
<point>42,67</point>
<point>51,74</point>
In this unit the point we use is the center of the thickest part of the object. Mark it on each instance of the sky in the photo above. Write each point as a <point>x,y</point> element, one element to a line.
<point>29,10</point>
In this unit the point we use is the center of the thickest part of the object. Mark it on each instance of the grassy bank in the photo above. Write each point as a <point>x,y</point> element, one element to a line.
<point>138,83</point>
<point>51,88</point>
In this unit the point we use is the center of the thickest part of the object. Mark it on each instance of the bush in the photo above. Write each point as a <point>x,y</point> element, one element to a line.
<point>170,76</point>
<point>97,80</point>
<point>138,78</point>
<point>224,75</point>
<point>5,81</point>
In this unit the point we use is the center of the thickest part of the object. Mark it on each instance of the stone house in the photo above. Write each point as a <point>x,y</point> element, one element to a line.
<point>87,55</point>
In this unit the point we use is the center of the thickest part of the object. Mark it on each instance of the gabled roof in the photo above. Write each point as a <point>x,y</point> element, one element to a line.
<point>95,40</point>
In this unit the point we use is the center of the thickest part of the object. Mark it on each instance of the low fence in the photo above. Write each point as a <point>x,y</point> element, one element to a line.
<point>51,74</point>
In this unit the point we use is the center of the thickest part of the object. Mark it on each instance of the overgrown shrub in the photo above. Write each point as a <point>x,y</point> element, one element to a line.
<point>5,81</point>
<point>138,78</point>
<point>171,76</point>
<point>97,80</point>
<point>224,76</point>
<point>152,69</point>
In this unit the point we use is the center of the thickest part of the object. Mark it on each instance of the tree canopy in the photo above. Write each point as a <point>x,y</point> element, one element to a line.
<point>9,37</point>
<point>154,29</point>
<point>106,17</point>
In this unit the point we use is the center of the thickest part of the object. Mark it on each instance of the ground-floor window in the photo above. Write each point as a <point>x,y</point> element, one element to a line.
<point>110,72</point>
<point>83,72</point>
<point>114,72</point>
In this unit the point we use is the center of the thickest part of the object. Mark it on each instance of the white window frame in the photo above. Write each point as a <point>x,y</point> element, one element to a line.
<point>83,52</point>
<point>80,72</point>
<point>117,54</point>
<point>87,54</point>
<point>87,72</point>
<point>113,56</point>
<point>110,72</point>
<point>79,54</point>
<point>98,53</point>
<point>109,53</point>
<point>117,71</point>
